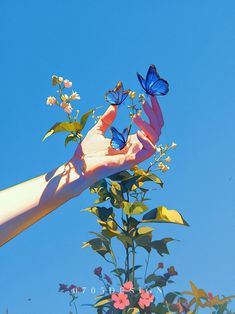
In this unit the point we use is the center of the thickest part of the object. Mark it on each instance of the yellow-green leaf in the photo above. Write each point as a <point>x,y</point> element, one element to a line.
<point>63,127</point>
<point>103,301</point>
<point>69,138</point>
<point>162,214</point>
<point>134,208</point>
<point>144,230</point>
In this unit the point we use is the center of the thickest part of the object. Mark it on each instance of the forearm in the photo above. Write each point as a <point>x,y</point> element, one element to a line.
<point>25,203</point>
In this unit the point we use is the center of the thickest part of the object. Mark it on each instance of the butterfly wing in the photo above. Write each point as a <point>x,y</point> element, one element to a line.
<point>151,77</point>
<point>160,87</point>
<point>141,80</point>
<point>125,134</point>
<point>119,92</point>
<point>111,97</point>
<point>124,95</point>
<point>117,140</point>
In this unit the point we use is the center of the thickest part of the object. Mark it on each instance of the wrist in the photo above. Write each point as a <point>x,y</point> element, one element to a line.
<point>73,179</point>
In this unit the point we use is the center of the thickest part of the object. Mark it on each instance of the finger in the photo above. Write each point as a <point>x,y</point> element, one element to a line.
<point>152,117</point>
<point>144,126</point>
<point>148,148</point>
<point>157,110</point>
<point>107,119</point>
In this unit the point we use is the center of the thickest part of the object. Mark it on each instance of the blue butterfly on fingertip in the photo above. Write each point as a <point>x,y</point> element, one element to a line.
<point>117,95</point>
<point>119,140</point>
<point>153,84</point>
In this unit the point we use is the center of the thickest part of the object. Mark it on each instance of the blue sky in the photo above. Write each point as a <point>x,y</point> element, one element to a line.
<point>96,44</point>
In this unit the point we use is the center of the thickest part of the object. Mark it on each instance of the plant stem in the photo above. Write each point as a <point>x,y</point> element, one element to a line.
<point>146,268</point>
<point>75,306</point>
<point>133,262</point>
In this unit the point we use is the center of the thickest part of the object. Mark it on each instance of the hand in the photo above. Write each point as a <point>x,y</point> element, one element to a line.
<point>98,159</point>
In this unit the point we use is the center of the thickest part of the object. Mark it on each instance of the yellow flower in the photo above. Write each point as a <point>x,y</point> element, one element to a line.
<point>75,95</point>
<point>163,167</point>
<point>64,97</point>
<point>67,84</point>
<point>132,94</point>
<point>168,159</point>
<point>51,100</point>
<point>60,79</point>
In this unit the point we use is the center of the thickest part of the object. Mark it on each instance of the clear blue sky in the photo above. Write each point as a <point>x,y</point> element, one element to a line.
<point>95,44</point>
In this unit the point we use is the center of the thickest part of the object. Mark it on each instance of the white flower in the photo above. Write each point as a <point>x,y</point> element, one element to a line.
<point>168,159</point>
<point>67,84</point>
<point>163,167</point>
<point>51,100</point>
<point>67,107</point>
<point>75,95</point>
<point>173,145</point>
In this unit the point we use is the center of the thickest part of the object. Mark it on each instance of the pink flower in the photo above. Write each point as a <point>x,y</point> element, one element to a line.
<point>108,279</point>
<point>145,299</point>
<point>160,265</point>
<point>67,107</point>
<point>210,296</point>
<point>98,271</point>
<point>51,100</point>
<point>127,287</point>
<point>120,300</point>
<point>67,84</point>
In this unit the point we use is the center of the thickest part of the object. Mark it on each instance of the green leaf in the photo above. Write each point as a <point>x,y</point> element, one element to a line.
<point>144,230</point>
<point>119,176</point>
<point>161,245</point>
<point>150,177</point>
<point>133,310</point>
<point>84,118</point>
<point>130,184</point>
<point>69,138</point>
<point>97,246</point>
<point>159,281</point>
<point>125,239</point>
<point>102,212</point>
<point>171,296</point>
<point>101,188</point>
<point>106,241</point>
<point>144,241</point>
<point>63,127</point>
<point>116,194</point>
<point>162,214</point>
<point>134,208</point>
<point>103,301</point>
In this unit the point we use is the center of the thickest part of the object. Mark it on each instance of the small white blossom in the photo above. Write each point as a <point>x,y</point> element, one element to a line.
<point>168,159</point>
<point>163,167</point>
<point>173,145</point>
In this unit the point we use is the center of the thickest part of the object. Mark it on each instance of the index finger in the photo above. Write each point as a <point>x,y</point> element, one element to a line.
<point>157,110</point>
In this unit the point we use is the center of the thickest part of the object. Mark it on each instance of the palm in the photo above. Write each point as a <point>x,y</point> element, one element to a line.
<point>101,160</point>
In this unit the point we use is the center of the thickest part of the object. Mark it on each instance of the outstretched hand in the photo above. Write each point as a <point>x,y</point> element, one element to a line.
<point>97,159</point>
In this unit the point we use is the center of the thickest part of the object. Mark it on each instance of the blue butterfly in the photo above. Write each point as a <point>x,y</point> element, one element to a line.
<point>119,140</point>
<point>153,84</point>
<point>117,95</point>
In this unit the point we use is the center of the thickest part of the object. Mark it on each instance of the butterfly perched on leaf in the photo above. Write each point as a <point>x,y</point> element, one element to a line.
<point>153,84</point>
<point>119,140</point>
<point>117,95</point>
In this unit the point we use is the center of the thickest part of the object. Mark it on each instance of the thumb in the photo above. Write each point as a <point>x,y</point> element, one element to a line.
<point>107,119</point>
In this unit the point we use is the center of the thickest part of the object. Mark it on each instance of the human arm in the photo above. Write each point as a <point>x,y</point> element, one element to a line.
<point>94,159</point>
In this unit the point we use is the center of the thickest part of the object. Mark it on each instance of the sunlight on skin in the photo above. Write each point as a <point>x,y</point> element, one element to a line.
<point>94,159</point>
